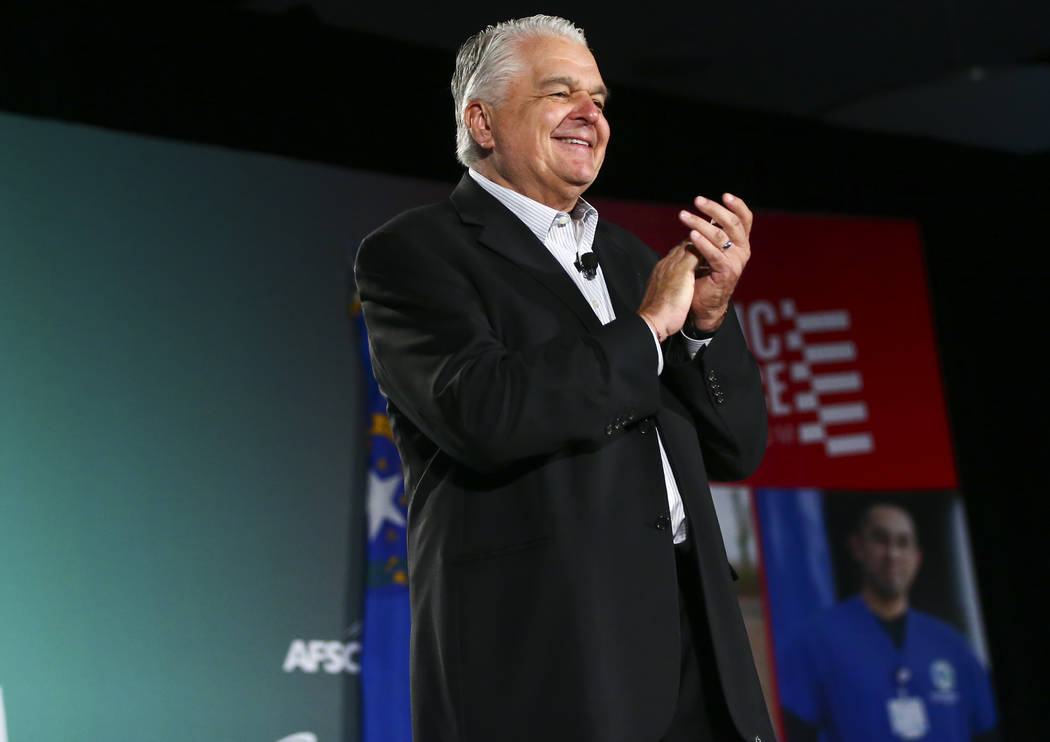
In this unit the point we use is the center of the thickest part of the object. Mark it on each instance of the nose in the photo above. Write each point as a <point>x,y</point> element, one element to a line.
<point>587,110</point>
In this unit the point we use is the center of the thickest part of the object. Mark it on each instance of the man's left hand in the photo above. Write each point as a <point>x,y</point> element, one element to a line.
<point>729,225</point>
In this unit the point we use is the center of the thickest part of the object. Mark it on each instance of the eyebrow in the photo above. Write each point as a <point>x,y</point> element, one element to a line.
<point>573,83</point>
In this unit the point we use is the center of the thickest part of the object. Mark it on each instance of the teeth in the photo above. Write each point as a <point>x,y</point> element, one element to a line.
<point>572,140</point>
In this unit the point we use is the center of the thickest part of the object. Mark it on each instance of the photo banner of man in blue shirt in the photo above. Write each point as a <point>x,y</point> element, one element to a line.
<point>872,668</point>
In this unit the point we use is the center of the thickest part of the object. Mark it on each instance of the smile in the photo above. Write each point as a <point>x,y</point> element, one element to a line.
<point>573,140</point>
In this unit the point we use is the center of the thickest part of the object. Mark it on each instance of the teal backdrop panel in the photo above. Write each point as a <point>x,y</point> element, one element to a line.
<point>181,434</point>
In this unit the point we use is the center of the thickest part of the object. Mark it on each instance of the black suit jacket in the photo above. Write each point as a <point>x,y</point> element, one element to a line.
<point>541,565</point>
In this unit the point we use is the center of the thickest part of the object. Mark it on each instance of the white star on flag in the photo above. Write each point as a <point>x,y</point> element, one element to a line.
<point>381,505</point>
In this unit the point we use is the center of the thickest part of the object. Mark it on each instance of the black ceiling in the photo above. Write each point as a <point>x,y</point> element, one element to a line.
<point>973,72</point>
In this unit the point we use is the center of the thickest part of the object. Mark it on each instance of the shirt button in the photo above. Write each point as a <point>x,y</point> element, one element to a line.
<point>561,220</point>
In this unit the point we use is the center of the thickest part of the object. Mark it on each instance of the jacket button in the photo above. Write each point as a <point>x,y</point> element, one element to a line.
<point>662,523</point>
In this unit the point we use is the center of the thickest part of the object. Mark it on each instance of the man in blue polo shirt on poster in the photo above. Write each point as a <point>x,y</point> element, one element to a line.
<point>871,669</point>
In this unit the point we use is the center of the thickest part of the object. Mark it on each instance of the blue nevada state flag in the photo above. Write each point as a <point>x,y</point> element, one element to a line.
<point>384,652</point>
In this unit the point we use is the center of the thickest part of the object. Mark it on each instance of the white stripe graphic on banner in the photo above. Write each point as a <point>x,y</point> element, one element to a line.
<point>821,391</point>
<point>810,432</point>
<point>831,352</point>
<point>817,321</point>
<point>805,401</point>
<point>845,445</point>
<point>853,412</point>
<point>800,371</point>
<point>828,383</point>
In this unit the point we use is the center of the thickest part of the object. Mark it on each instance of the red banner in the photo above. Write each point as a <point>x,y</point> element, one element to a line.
<point>836,310</point>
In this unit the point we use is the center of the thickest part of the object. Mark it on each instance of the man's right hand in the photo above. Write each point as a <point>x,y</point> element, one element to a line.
<point>669,294</point>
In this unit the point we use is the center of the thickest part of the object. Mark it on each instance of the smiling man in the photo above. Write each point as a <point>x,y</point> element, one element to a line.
<point>546,139</point>
<point>560,399</point>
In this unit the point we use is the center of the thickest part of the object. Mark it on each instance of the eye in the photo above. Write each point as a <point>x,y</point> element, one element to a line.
<point>600,104</point>
<point>560,94</point>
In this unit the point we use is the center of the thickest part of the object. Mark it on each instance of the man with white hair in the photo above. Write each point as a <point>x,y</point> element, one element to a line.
<point>560,399</point>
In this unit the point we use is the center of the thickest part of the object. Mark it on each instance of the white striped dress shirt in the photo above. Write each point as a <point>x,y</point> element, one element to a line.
<point>567,236</point>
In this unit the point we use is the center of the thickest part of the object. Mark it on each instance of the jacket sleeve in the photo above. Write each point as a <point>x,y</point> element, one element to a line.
<point>722,388</point>
<point>439,359</point>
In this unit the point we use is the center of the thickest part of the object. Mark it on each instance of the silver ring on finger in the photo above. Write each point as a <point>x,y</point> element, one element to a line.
<point>727,245</point>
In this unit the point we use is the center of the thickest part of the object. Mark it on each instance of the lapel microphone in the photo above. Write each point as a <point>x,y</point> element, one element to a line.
<point>587,264</point>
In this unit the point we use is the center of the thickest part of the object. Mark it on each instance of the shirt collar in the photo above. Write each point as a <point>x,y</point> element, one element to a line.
<point>539,218</point>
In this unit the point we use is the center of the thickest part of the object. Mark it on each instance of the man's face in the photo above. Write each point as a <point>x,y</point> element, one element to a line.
<point>549,135</point>
<point>887,550</point>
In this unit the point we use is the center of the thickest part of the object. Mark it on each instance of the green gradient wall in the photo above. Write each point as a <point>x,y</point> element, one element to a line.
<point>179,436</point>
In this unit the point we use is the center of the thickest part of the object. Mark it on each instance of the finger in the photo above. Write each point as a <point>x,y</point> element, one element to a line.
<point>683,252</point>
<point>717,259</point>
<point>677,262</point>
<point>740,208</point>
<point>702,267</point>
<point>714,233</point>
<point>718,235</point>
<point>726,219</point>
<point>673,257</point>
<point>689,256</point>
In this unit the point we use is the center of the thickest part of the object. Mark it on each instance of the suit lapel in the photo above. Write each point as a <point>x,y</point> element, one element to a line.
<point>502,232</point>
<point>616,268</point>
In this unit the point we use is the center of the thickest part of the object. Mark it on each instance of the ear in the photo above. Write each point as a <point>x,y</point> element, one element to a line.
<point>478,118</point>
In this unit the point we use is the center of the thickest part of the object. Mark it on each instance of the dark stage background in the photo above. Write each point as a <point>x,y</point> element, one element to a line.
<point>288,85</point>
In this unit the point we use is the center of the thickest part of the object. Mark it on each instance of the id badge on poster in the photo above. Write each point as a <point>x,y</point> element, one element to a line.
<point>908,717</point>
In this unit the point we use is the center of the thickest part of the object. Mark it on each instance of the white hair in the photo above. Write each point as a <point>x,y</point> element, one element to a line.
<point>488,61</point>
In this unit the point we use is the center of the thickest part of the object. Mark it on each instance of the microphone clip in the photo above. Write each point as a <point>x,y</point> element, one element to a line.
<point>587,264</point>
